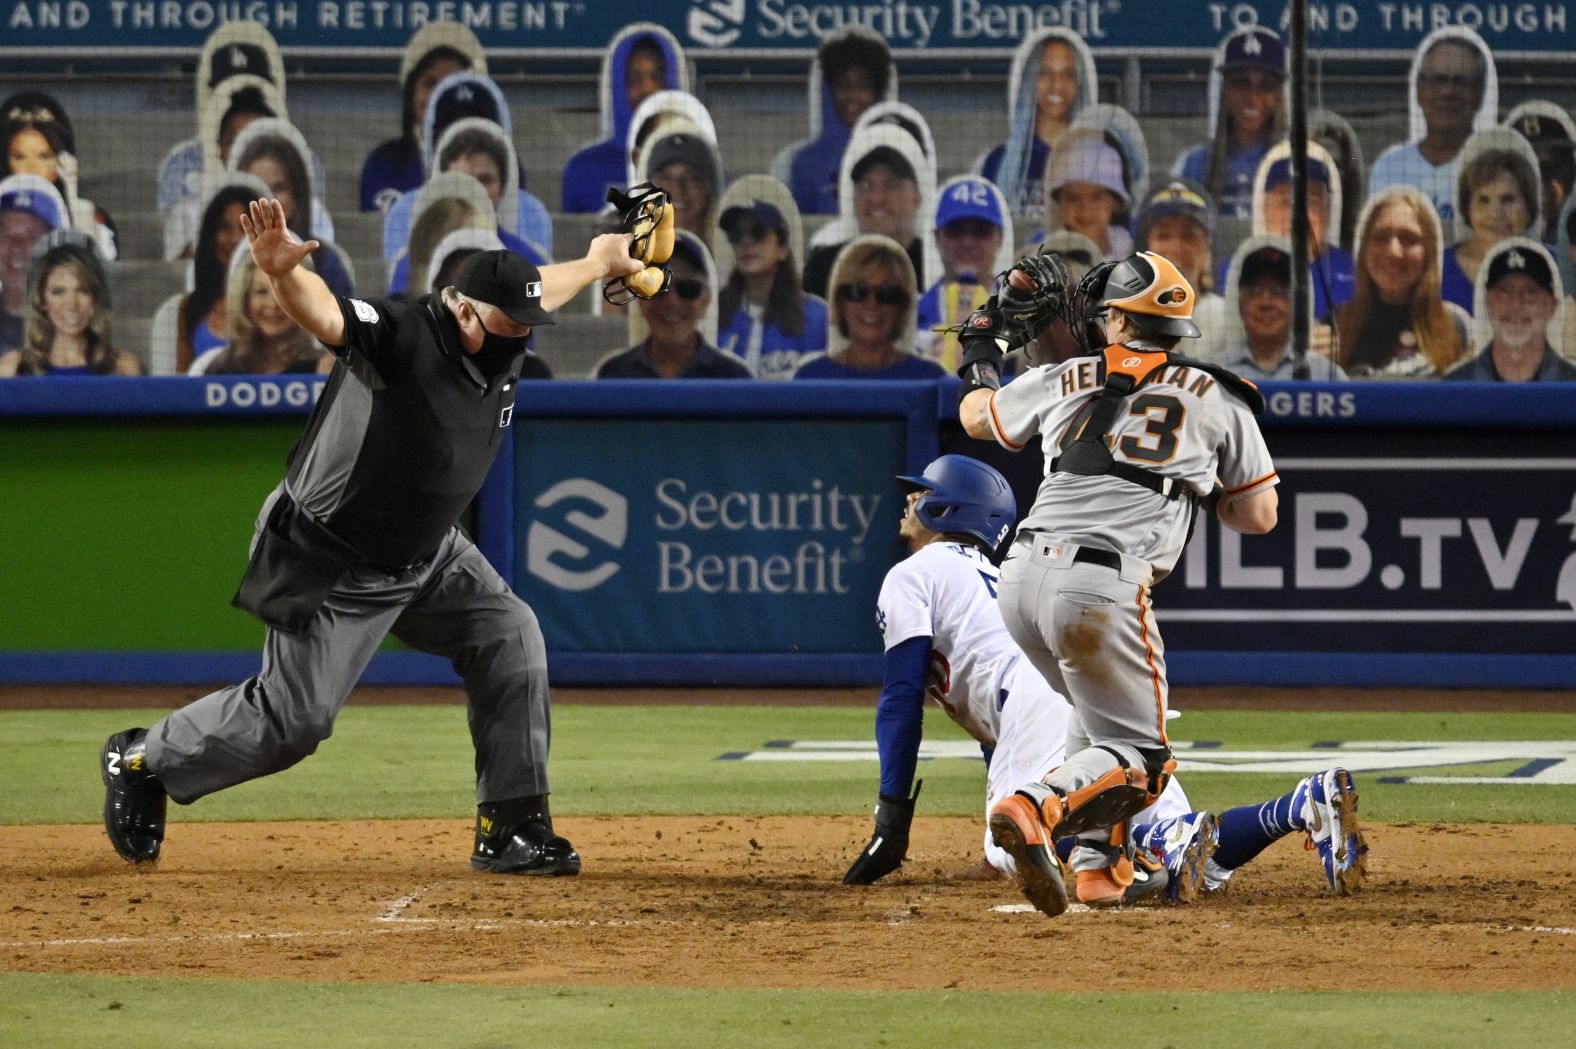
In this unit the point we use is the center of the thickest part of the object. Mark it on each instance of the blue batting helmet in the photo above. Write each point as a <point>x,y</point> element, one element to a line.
<point>965,496</point>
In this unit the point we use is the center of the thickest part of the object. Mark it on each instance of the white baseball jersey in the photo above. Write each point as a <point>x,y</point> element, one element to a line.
<point>1181,424</point>
<point>947,592</point>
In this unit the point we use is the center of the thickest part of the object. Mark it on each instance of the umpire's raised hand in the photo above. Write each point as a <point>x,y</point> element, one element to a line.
<point>275,248</point>
<point>301,293</point>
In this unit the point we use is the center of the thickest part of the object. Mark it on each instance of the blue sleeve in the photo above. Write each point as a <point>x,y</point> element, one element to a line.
<point>900,714</point>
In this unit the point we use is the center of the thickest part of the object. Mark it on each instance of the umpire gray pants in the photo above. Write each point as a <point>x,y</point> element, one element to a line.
<point>1090,631</point>
<point>453,605</point>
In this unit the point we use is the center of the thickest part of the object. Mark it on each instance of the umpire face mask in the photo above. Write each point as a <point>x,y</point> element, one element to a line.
<point>497,352</point>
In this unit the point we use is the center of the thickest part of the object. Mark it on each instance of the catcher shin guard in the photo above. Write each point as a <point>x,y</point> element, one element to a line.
<point>647,216</point>
<point>1107,886</point>
<point>1111,799</point>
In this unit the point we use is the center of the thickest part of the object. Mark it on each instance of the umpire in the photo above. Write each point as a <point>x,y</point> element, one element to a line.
<point>360,541</point>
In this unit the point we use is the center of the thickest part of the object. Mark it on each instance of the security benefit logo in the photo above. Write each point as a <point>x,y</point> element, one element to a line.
<point>579,526</point>
<point>801,541</point>
<point>715,23</point>
<point>707,540</point>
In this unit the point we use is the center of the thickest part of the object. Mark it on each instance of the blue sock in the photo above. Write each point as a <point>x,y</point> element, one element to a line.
<point>1064,848</point>
<point>1248,830</point>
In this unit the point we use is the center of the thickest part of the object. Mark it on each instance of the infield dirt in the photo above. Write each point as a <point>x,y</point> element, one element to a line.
<point>755,902</point>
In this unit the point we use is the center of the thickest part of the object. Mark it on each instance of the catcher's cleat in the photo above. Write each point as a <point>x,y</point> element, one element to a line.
<point>529,848</point>
<point>1326,804</point>
<point>1018,826</point>
<point>1150,877</point>
<point>134,799</point>
<point>1184,844</point>
<point>1130,880</point>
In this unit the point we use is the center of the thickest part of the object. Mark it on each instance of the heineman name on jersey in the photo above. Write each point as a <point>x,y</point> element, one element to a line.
<point>835,525</point>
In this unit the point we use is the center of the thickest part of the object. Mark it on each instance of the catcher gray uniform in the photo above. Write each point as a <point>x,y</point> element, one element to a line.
<point>1075,586</point>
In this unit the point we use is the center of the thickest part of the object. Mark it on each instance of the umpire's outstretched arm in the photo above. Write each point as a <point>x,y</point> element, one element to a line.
<point>303,295</point>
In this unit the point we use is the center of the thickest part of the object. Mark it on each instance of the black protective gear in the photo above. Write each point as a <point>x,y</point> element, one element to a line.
<point>888,846</point>
<point>985,337</point>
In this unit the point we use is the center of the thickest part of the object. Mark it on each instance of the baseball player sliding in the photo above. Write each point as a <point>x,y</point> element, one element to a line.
<point>945,638</point>
<point>1134,435</point>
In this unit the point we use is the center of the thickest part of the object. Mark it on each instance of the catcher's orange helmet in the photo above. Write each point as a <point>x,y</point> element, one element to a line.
<point>1145,286</point>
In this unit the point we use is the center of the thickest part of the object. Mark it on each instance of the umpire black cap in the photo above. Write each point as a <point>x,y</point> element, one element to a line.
<point>503,279</point>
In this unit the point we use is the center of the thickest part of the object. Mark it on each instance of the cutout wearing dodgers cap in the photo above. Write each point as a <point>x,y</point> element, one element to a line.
<point>1515,260</point>
<point>741,216</point>
<point>1279,172</point>
<point>36,197</point>
<point>1255,47</point>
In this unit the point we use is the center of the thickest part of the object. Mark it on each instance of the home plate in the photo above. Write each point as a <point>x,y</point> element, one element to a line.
<point>1029,908</point>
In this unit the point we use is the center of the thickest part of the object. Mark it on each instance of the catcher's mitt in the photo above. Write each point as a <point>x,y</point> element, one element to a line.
<point>1034,292</point>
<point>647,215</point>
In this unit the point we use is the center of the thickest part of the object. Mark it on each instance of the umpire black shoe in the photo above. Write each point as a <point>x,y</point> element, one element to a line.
<point>134,799</point>
<point>528,848</point>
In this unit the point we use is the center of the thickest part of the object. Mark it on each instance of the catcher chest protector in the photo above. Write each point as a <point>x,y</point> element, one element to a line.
<point>1126,369</point>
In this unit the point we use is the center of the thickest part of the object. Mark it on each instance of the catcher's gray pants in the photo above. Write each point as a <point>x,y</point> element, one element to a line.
<point>453,605</point>
<point>1090,630</point>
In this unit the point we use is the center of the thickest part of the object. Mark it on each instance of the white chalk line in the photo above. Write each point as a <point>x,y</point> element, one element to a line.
<point>1029,908</point>
<point>398,906</point>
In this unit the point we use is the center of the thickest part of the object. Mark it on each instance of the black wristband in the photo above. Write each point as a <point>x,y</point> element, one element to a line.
<point>979,375</point>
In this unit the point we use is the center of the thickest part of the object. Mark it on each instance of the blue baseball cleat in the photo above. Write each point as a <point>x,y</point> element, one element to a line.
<point>1326,804</point>
<point>1184,844</point>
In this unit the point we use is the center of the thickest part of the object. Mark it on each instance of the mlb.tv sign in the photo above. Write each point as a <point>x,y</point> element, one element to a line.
<point>1423,553</point>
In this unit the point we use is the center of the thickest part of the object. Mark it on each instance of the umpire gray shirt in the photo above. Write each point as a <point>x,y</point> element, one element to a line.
<point>404,433</point>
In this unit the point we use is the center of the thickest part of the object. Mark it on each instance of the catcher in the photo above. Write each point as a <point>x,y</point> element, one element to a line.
<point>944,638</point>
<point>1134,435</point>
<point>359,541</point>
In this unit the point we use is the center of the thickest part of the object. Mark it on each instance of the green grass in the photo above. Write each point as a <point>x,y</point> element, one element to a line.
<point>67,1012</point>
<point>399,762</point>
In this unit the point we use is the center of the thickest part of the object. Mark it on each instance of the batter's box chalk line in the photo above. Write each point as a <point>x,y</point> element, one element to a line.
<point>397,908</point>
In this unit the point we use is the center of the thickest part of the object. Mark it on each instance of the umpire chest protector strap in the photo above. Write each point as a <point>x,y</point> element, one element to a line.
<point>1124,369</point>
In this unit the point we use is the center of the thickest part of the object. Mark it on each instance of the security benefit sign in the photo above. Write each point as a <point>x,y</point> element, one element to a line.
<point>1409,553</point>
<point>707,535</point>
